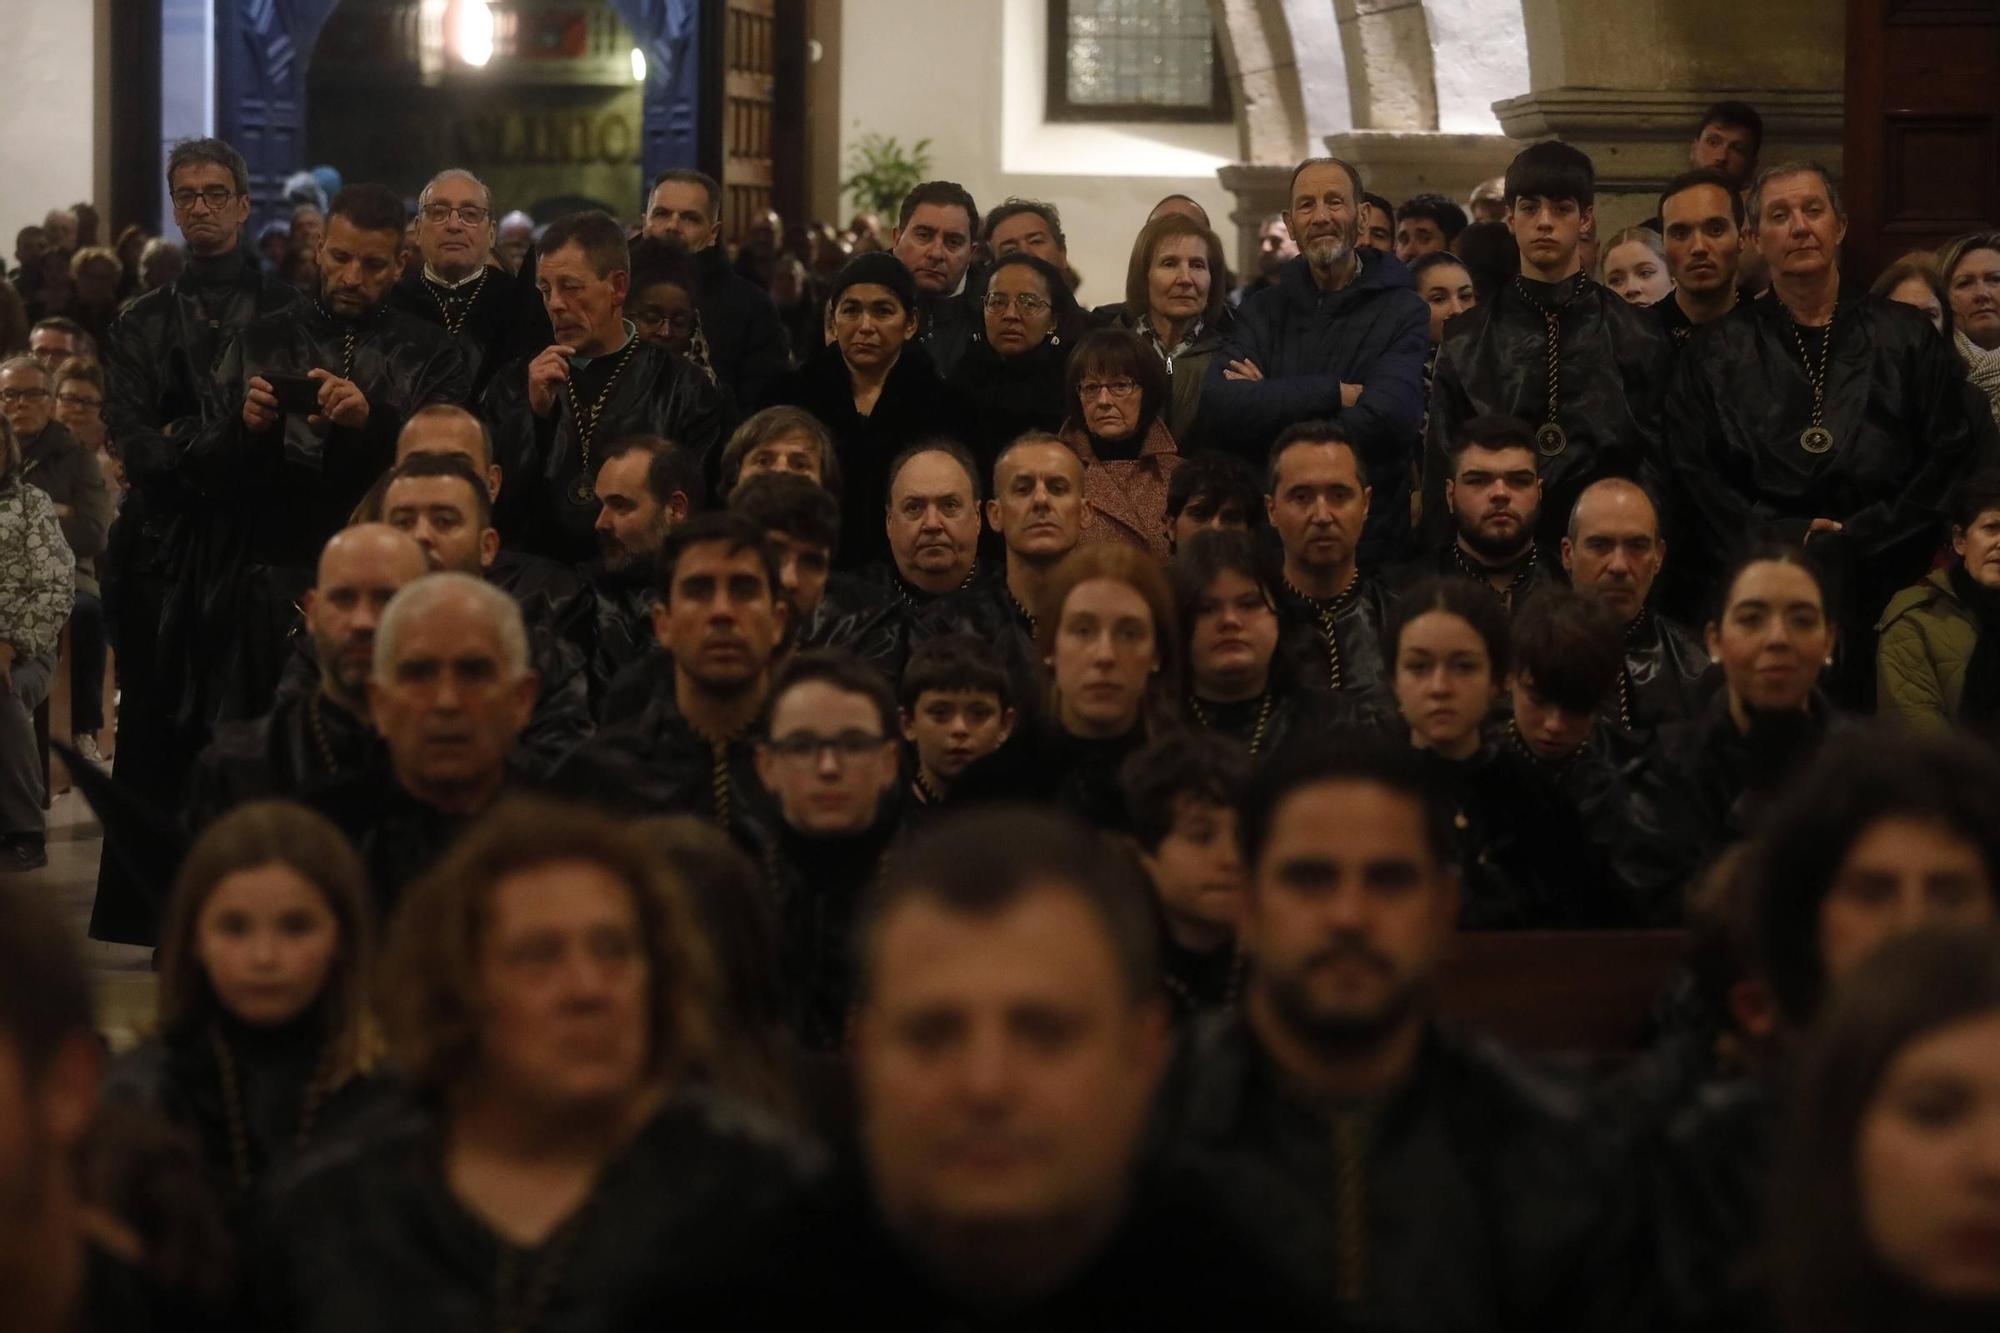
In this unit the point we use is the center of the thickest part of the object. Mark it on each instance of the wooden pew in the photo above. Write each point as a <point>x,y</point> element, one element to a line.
<point>1586,992</point>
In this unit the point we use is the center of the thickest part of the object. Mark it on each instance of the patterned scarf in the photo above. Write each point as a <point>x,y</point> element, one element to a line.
<point>1982,368</point>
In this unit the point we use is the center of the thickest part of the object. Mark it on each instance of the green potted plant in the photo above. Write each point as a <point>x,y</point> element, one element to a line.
<point>882,173</point>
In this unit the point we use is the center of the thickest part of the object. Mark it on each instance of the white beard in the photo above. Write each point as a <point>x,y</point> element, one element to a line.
<point>1326,251</point>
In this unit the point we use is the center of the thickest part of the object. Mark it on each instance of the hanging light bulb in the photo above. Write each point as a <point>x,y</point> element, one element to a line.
<point>638,65</point>
<point>472,32</point>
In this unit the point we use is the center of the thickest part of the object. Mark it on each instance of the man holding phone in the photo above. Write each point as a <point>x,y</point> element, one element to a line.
<point>318,396</point>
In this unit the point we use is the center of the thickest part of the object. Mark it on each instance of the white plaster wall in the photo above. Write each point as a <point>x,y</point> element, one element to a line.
<point>48,111</point>
<point>971,78</point>
<point>1479,54</point>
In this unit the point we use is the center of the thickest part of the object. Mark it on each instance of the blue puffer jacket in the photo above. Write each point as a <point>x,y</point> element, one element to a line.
<point>1374,332</point>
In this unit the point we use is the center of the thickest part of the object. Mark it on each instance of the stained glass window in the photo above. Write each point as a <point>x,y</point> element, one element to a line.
<point>1134,60</point>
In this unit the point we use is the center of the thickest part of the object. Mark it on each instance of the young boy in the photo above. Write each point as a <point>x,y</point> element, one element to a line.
<point>1181,793</point>
<point>958,706</point>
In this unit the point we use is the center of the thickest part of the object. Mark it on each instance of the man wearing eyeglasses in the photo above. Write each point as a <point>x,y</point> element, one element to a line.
<point>159,358</point>
<point>829,759</point>
<point>490,313</point>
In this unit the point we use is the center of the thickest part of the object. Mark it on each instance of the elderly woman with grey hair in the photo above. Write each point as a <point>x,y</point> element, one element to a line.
<point>37,588</point>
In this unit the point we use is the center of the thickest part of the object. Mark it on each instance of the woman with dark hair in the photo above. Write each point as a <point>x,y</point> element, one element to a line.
<point>661,301</point>
<point>1938,654</point>
<point>1241,682</point>
<point>876,390</point>
<point>1445,283</point>
<point>1772,636</point>
<point>1887,1211</point>
<point>1176,298</point>
<point>1110,641</point>
<point>1013,371</point>
<point>1522,855</point>
<point>1116,394</point>
<point>1970,270</point>
<point>264,1041</point>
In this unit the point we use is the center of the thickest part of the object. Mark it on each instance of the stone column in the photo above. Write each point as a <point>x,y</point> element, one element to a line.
<point>1627,80</point>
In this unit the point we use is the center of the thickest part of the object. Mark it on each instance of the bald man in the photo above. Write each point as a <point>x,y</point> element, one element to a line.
<point>461,286</point>
<point>1614,553</point>
<point>312,737</point>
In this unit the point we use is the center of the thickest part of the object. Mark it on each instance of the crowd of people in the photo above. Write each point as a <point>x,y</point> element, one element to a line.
<point>671,787</point>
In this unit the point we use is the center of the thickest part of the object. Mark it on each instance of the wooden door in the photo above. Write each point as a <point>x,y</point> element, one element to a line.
<point>1923,126</point>
<point>758,109</point>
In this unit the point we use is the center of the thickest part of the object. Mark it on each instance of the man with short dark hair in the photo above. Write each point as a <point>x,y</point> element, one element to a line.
<point>1613,791</point>
<point>1317,500</point>
<point>1212,491</point>
<point>802,520</point>
<point>647,487</point>
<point>1612,554</point>
<point>490,314</point>
<point>1822,415</point>
<point>1378,224</point>
<point>1701,226</point>
<point>1007,1044</point>
<point>1028,226</point>
<point>159,360</point>
<point>1274,247</point>
<point>287,476</point>
<point>550,594</point>
<point>554,414</point>
<point>934,237</point>
<point>723,621</point>
<point>931,513</point>
<point>59,338</point>
<point>1552,348</point>
<point>746,340</point>
<point>1362,1140</point>
<point>1341,336</point>
<point>829,760</point>
<point>1729,141</point>
<point>1038,510</point>
<point>1426,224</point>
<point>1494,498</point>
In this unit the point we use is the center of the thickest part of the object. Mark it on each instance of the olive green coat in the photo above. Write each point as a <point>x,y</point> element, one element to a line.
<point>1926,642</point>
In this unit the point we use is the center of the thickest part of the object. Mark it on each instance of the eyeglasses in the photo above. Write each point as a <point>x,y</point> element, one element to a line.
<point>804,746</point>
<point>1026,302</point>
<point>1118,389</point>
<point>215,196</point>
<point>78,400</point>
<point>651,321</point>
<point>472,215</point>
<point>13,396</point>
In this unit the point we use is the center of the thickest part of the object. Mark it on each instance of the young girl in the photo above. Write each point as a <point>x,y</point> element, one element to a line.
<point>1523,856</point>
<point>263,1039</point>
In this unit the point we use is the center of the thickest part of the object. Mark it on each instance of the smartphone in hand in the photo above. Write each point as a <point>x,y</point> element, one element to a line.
<point>296,394</point>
